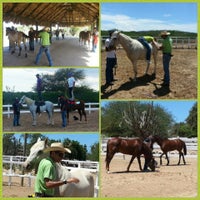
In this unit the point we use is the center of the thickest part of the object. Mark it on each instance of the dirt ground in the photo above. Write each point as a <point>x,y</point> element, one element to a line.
<point>65,52</point>
<point>92,123</point>
<point>183,72</point>
<point>166,181</point>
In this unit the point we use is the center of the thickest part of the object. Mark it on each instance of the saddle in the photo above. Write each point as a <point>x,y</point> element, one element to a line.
<point>38,104</point>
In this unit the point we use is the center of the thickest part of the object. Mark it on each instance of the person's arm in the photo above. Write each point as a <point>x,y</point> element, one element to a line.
<point>52,184</point>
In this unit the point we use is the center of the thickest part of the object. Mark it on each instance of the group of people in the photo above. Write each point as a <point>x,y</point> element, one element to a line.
<point>166,47</point>
<point>39,88</point>
<point>45,37</point>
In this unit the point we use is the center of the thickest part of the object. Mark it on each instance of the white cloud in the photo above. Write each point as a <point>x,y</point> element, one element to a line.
<point>126,23</point>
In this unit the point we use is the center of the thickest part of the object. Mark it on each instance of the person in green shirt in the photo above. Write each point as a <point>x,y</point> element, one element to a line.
<point>166,48</point>
<point>146,40</point>
<point>46,182</point>
<point>45,44</point>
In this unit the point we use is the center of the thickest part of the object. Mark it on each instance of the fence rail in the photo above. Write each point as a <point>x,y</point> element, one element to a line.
<point>7,109</point>
<point>91,166</point>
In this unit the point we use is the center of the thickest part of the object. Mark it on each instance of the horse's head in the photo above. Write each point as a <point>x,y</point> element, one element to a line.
<point>36,154</point>
<point>114,39</point>
<point>22,100</point>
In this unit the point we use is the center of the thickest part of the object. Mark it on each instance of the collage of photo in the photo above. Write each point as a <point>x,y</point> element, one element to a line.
<point>98,96</point>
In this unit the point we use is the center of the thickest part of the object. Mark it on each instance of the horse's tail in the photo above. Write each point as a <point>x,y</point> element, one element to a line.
<point>184,148</point>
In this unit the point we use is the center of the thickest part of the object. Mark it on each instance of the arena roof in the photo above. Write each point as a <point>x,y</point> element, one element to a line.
<point>49,14</point>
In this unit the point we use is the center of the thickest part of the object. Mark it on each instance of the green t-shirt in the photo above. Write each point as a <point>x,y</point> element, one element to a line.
<point>46,169</point>
<point>148,38</point>
<point>167,45</point>
<point>45,38</point>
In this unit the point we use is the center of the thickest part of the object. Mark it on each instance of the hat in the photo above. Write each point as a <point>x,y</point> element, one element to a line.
<point>165,33</point>
<point>37,75</point>
<point>57,146</point>
<point>46,28</point>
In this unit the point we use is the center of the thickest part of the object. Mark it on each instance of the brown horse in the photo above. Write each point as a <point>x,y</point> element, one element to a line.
<point>167,145</point>
<point>72,106</point>
<point>16,38</point>
<point>134,147</point>
<point>84,36</point>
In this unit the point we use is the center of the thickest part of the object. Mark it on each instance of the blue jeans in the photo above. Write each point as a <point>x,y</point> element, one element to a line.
<point>16,119</point>
<point>64,118</point>
<point>166,61</point>
<point>47,52</point>
<point>146,45</point>
<point>110,63</point>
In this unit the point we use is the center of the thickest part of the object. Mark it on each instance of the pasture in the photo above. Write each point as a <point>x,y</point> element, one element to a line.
<point>92,123</point>
<point>183,72</point>
<point>65,52</point>
<point>167,181</point>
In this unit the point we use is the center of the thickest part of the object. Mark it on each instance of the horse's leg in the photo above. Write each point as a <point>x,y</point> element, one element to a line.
<point>167,158</point>
<point>79,111</point>
<point>25,48</point>
<point>108,160</point>
<point>183,159</point>
<point>20,49</point>
<point>132,158</point>
<point>34,118</point>
<point>139,162</point>
<point>84,113</point>
<point>161,158</point>
<point>135,69</point>
<point>180,153</point>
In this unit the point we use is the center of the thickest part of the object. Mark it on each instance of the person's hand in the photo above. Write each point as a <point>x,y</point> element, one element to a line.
<point>73,180</point>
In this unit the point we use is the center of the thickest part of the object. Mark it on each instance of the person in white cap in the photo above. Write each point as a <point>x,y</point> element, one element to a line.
<point>45,44</point>
<point>166,48</point>
<point>46,175</point>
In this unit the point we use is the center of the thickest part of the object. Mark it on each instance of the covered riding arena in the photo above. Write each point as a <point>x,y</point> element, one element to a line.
<point>183,72</point>
<point>66,52</point>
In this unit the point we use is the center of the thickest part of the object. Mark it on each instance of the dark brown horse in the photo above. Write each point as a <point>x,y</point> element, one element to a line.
<point>167,145</point>
<point>15,39</point>
<point>134,147</point>
<point>72,106</point>
<point>84,36</point>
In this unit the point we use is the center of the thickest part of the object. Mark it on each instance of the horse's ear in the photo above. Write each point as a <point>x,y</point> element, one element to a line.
<point>46,141</point>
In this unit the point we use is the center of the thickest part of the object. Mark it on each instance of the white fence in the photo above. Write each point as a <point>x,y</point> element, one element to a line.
<point>191,144</point>
<point>178,42</point>
<point>7,109</point>
<point>17,161</point>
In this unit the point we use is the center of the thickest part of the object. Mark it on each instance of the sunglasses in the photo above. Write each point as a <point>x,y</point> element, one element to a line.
<point>60,154</point>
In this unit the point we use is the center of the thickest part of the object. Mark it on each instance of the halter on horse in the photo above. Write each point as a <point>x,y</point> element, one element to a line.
<point>15,38</point>
<point>72,106</point>
<point>134,147</point>
<point>48,107</point>
<point>167,145</point>
<point>85,188</point>
<point>134,49</point>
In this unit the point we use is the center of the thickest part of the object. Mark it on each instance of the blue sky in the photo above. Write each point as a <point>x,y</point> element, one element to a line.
<point>178,109</point>
<point>22,79</point>
<point>149,16</point>
<point>83,138</point>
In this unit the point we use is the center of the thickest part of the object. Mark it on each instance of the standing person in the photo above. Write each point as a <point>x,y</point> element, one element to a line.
<point>31,35</point>
<point>71,85</point>
<point>166,48</point>
<point>46,181</point>
<point>146,40</point>
<point>95,36</point>
<point>63,110</point>
<point>45,44</point>
<point>16,111</point>
<point>39,87</point>
<point>111,60</point>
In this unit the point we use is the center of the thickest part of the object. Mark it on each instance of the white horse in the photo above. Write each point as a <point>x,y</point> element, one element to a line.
<point>85,187</point>
<point>48,107</point>
<point>134,49</point>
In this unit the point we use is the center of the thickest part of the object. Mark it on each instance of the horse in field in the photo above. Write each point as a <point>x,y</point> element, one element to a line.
<point>167,145</point>
<point>84,36</point>
<point>72,106</point>
<point>16,38</point>
<point>134,147</point>
<point>33,107</point>
<point>85,187</point>
<point>135,50</point>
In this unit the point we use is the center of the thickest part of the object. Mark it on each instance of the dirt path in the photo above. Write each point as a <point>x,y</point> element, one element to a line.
<point>166,181</point>
<point>65,52</point>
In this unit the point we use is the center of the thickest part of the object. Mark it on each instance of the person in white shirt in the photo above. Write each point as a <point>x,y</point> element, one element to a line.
<point>71,85</point>
<point>111,60</point>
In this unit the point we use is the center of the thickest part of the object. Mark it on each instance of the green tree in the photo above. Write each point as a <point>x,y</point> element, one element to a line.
<point>94,153</point>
